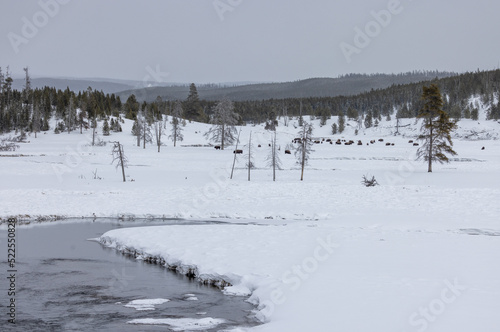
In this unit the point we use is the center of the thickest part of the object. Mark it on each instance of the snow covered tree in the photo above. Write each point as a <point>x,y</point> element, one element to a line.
<point>146,133</point>
<point>93,125</point>
<point>159,126</point>
<point>305,147</point>
<point>341,123</point>
<point>436,128</point>
<point>176,133</point>
<point>223,122</point>
<point>369,119</point>
<point>105,128</point>
<point>352,114</point>
<point>334,129</point>
<point>474,114</point>
<point>140,130</point>
<point>273,159</point>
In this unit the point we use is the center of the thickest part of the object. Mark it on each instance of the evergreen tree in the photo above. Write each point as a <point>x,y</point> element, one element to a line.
<point>192,105</point>
<point>334,129</point>
<point>105,128</point>
<point>474,114</point>
<point>131,108</point>
<point>341,123</point>
<point>368,119</point>
<point>436,128</point>
<point>352,114</point>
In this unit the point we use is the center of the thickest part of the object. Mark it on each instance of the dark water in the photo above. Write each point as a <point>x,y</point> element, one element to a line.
<point>66,283</point>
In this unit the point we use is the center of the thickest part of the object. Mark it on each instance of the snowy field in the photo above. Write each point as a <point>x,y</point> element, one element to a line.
<point>419,252</point>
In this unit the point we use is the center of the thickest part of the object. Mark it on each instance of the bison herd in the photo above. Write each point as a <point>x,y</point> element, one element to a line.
<point>330,141</point>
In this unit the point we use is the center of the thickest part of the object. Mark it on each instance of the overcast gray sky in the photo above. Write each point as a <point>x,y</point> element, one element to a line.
<point>246,40</point>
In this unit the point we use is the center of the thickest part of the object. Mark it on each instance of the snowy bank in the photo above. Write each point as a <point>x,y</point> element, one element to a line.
<point>370,274</point>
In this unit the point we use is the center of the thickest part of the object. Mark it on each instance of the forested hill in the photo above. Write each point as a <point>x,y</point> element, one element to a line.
<point>107,86</point>
<point>32,109</point>
<point>403,100</point>
<point>314,87</point>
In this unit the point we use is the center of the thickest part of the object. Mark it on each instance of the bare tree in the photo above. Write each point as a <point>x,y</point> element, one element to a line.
<point>235,154</point>
<point>305,147</point>
<point>141,130</point>
<point>223,122</point>
<point>273,159</point>
<point>119,157</point>
<point>176,125</point>
<point>159,126</point>
<point>250,163</point>
<point>285,115</point>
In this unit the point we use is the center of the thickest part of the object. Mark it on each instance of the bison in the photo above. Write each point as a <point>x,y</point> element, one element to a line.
<point>217,147</point>
<point>288,152</point>
<point>415,144</point>
<point>238,151</point>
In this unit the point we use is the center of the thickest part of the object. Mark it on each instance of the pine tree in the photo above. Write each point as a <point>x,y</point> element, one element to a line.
<point>369,119</point>
<point>352,113</point>
<point>436,128</point>
<point>192,106</point>
<point>474,114</point>
<point>105,128</point>
<point>70,115</point>
<point>341,123</point>
<point>36,122</point>
<point>131,108</point>
<point>334,129</point>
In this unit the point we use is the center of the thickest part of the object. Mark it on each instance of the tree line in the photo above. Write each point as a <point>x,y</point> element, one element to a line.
<point>31,109</point>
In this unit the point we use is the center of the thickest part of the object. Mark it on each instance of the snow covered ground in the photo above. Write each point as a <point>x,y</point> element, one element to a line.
<point>419,252</point>
<point>54,175</point>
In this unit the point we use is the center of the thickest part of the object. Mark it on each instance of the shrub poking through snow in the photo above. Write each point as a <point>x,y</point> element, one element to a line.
<point>7,144</point>
<point>369,182</point>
